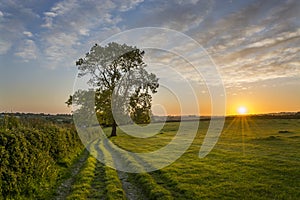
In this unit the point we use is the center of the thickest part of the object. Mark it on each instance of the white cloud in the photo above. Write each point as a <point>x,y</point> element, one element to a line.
<point>252,30</point>
<point>276,39</point>
<point>50,14</point>
<point>4,46</point>
<point>28,50</point>
<point>60,49</point>
<point>251,40</point>
<point>48,23</point>
<point>83,31</point>
<point>180,16</point>
<point>59,9</point>
<point>27,33</point>
<point>250,50</point>
<point>64,7</point>
<point>15,16</point>
<point>129,4</point>
<point>182,2</point>
<point>73,24</point>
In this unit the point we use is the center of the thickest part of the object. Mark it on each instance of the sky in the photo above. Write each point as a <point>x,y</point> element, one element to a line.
<point>254,45</point>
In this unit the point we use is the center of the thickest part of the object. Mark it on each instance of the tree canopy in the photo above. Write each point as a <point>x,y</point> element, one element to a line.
<point>121,82</point>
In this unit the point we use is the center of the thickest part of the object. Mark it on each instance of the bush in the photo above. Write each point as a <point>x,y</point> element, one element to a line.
<point>31,153</point>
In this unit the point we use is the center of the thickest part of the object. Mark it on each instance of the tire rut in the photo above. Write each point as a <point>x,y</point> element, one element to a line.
<point>66,187</point>
<point>97,186</point>
<point>132,192</point>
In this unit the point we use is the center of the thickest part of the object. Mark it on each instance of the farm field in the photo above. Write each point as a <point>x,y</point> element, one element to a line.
<point>253,159</point>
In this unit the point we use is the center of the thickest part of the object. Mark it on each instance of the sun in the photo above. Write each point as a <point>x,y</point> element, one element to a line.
<point>242,110</point>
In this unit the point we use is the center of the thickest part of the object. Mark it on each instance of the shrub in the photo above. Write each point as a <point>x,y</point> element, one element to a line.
<point>30,155</point>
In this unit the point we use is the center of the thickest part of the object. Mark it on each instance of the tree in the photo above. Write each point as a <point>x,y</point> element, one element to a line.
<point>122,84</point>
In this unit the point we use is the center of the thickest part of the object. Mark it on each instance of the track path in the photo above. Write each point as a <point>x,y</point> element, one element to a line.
<point>99,187</point>
<point>66,187</point>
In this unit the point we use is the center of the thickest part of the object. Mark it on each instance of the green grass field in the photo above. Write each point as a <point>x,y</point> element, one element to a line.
<point>253,159</point>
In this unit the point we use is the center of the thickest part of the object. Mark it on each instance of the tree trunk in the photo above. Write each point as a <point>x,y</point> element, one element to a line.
<point>114,129</point>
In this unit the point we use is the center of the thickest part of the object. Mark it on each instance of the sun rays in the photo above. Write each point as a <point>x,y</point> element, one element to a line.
<point>241,129</point>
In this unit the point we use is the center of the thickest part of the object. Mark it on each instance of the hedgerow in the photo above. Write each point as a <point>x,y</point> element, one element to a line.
<point>32,154</point>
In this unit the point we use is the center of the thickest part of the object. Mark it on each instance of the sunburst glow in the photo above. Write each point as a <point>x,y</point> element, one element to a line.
<point>242,110</point>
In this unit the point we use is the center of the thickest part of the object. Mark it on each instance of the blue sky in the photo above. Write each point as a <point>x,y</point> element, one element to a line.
<point>255,45</point>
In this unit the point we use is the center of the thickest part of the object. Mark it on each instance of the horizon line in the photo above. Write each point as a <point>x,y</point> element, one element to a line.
<point>185,115</point>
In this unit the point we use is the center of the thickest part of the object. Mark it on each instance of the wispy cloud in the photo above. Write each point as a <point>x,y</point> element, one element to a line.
<point>252,41</point>
<point>4,46</point>
<point>247,49</point>
<point>27,33</point>
<point>13,19</point>
<point>178,15</point>
<point>28,50</point>
<point>128,5</point>
<point>72,25</point>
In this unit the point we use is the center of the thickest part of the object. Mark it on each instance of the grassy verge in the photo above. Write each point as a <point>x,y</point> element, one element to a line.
<point>66,173</point>
<point>81,187</point>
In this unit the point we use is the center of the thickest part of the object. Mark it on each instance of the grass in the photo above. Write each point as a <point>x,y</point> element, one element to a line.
<point>253,159</point>
<point>97,181</point>
<point>113,184</point>
<point>82,186</point>
<point>143,180</point>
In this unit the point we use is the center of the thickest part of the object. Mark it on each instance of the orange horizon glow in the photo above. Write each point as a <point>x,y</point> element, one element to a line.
<point>171,106</point>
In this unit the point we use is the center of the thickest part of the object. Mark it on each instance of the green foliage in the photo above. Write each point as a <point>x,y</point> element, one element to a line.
<point>9,122</point>
<point>32,152</point>
<point>119,75</point>
<point>140,104</point>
